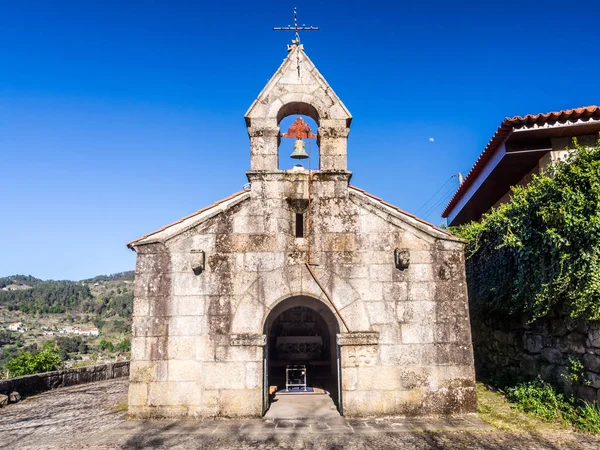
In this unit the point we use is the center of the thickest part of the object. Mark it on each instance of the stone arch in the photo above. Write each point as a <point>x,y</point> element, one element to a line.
<point>297,107</point>
<point>285,303</point>
<point>329,358</point>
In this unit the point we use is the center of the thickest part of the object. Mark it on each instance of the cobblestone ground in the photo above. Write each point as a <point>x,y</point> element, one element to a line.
<point>92,416</point>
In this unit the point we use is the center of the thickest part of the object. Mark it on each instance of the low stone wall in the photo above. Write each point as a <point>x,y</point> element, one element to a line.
<point>540,348</point>
<point>31,384</point>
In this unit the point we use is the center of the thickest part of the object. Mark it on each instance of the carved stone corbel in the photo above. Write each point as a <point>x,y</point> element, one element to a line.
<point>198,259</point>
<point>402,258</point>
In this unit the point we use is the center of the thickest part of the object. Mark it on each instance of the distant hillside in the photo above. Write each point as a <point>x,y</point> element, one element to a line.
<point>50,296</point>
<point>120,276</point>
<point>26,280</point>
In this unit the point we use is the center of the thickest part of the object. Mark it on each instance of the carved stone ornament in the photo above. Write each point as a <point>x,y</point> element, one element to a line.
<point>362,356</point>
<point>247,339</point>
<point>198,259</point>
<point>401,258</point>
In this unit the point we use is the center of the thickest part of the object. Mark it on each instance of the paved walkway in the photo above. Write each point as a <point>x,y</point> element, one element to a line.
<point>306,405</point>
<point>92,416</point>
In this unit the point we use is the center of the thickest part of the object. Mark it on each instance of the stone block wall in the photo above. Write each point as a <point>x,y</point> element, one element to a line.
<point>39,382</point>
<point>517,348</point>
<point>198,339</point>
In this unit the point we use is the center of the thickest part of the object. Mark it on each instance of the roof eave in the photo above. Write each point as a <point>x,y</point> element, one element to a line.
<point>217,206</point>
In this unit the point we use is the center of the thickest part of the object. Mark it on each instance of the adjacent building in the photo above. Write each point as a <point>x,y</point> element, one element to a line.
<point>17,326</point>
<point>521,147</point>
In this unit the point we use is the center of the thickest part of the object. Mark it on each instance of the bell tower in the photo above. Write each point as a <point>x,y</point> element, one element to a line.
<point>297,87</point>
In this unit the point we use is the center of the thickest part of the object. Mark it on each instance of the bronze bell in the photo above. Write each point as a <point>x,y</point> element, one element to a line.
<point>299,150</point>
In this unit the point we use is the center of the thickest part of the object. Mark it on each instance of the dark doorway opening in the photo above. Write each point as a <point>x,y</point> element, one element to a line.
<point>301,333</point>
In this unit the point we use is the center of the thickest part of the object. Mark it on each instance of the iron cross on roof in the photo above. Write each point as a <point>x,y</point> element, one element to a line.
<point>296,28</point>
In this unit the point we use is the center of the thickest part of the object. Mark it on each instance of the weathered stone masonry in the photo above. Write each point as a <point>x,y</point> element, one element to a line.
<point>198,331</point>
<point>517,348</point>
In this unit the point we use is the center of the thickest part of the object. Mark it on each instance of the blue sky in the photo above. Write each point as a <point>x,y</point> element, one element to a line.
<point>119,117</point>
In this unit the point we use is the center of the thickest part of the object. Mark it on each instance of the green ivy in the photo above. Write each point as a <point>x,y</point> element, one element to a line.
<point>540,252</point>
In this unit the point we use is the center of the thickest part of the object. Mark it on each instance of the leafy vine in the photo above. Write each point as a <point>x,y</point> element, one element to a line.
<point>541,251</point>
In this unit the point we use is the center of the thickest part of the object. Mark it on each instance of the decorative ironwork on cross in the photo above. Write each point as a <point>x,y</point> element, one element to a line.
<point>299,129</point>
<point>296,28</point>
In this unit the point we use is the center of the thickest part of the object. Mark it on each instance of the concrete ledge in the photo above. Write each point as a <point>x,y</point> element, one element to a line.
<point>39,382</point>
<point>358,338</point>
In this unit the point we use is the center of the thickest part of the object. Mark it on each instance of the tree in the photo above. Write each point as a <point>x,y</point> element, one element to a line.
<point>124,345</point>
<point>99,322</point>
<point>83,347</point>
<point>70,344</point>
<point>26,363</point>
<point>6,337</point>
<point>105,344</point>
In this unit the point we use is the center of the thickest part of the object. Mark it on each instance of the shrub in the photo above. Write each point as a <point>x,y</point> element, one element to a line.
<point>105,344</point>
<point>539,252</point>
<point>26,363</point>
<point>539,398</point>
<point>543,401</point>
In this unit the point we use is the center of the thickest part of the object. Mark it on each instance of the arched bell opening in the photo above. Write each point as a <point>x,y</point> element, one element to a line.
<point>301,335</point>
<point>298,147</point>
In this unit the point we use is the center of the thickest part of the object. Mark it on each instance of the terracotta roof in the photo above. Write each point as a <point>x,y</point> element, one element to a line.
<point>200,211</point>
<point>412,216</point>
<point>504,130</point>
<point>568,114</point>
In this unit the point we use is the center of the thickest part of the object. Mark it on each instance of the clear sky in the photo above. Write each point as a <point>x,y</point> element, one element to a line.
<point>118,117</point>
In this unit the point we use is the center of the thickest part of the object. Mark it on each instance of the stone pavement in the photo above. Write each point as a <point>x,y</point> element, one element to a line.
<point>92,416</point>
<point>316,406</point>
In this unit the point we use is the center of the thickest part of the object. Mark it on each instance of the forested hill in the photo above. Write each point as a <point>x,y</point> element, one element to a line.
<point>120,276</point>
<point>19,280</point>
<point>104,295</point>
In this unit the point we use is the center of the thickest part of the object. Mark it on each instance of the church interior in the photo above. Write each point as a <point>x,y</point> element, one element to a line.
<point>302,354</point>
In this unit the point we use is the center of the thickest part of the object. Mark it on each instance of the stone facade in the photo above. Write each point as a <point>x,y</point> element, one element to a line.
<point>206,285</point>
<point>542,348</point>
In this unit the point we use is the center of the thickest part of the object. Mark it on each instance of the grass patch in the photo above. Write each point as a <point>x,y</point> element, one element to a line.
<point>536,405</point>
<point>120,407</point>
<point>588,418</point>
<point>541,400</point>
<point>495,410</point>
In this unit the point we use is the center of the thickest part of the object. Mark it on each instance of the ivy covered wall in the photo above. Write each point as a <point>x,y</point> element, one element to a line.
<point>533,273</point>
<point>540,252</point>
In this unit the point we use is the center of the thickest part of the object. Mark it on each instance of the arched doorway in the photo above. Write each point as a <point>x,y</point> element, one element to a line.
<point>301,335</point>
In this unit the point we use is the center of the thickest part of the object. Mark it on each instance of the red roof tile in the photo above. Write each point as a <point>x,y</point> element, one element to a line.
<point>504,130</point>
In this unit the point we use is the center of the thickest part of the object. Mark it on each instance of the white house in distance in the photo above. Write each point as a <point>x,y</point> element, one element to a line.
<point>89,332</point>
<point>73,330</point>
<point>17,326</point>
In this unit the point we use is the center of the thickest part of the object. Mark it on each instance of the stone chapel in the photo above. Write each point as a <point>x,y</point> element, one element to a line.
<point>300,269</point>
